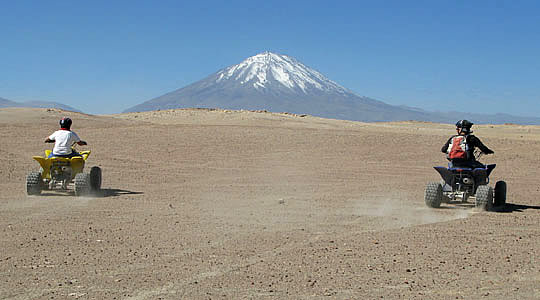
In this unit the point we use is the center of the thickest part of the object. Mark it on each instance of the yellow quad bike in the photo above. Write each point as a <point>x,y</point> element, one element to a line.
<point>58,173</point>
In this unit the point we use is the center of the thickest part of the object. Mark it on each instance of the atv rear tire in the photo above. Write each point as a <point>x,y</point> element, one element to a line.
<point>433,196</point>
<point>500,193</point>
<point>95,179</point>
<point>484,197</point>
<point>82,184</point>
<point>34,183</point>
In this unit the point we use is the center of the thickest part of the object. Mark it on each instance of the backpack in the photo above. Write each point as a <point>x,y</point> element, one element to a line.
<point>458,148</point>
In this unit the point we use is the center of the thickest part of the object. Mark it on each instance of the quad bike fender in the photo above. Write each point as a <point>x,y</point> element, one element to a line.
<point>84,154</point>
<point>490,168</point>
<point>77,164</point>
<point>445,174</point>
<point>45,164</point>
<point>480,176</point>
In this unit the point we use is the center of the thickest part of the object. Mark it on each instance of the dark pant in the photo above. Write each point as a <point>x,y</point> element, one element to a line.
<point>72,154</point>
<point>473,164</point>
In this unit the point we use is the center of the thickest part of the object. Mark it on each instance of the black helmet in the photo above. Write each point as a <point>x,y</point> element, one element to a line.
<point>65,123</point>
<point>464,125</point>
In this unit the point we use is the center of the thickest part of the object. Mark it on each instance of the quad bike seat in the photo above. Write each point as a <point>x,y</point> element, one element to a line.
<point>458,169</point>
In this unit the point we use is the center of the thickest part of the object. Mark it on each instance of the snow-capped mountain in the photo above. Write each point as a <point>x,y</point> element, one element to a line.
<point>267,70</point>
<point>278,83</point>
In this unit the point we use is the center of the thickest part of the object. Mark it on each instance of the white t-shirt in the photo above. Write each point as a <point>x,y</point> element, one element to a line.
<point>63,140</point>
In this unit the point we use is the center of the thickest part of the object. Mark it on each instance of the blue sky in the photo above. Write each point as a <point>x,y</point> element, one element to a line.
<point>106,56</point>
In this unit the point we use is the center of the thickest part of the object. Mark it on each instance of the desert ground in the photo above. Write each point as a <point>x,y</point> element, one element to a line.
<point>217,204</point>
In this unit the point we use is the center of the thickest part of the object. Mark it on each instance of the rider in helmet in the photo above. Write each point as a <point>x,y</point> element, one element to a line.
<point>64,139</point>
<point>465,143</point>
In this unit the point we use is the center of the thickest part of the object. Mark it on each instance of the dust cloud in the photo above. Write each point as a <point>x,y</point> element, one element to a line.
<point>395,210</point>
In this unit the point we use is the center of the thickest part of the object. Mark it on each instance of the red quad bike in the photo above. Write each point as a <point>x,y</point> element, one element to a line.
<point>460,184</point>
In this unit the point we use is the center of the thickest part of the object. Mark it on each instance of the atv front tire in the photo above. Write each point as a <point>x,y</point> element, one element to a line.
<point>95,179</point>
<point>500,193</point>
<point>433,196</point>
<point>82,184</point>
<point>34,183</point>
<point>484,197</point>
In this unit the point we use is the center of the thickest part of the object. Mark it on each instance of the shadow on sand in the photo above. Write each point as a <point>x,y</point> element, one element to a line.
<point>507,208</point>
<point>115,192</point>
<point>510,207</point>
<point>100,194</point>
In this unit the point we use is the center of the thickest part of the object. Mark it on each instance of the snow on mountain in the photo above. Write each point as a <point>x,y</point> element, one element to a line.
<point>261,69</point>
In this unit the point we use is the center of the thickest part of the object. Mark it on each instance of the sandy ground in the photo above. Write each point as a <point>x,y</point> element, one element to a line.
<point>207,204</point>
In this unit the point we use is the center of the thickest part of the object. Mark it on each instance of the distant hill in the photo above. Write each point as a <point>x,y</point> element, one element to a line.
<point>280,83</point>
<point>498,118</point>
<point>43,104</point>
<point>8,103</point>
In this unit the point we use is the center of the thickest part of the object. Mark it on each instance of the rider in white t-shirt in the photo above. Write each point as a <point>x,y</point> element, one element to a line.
<point>64,139</point>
